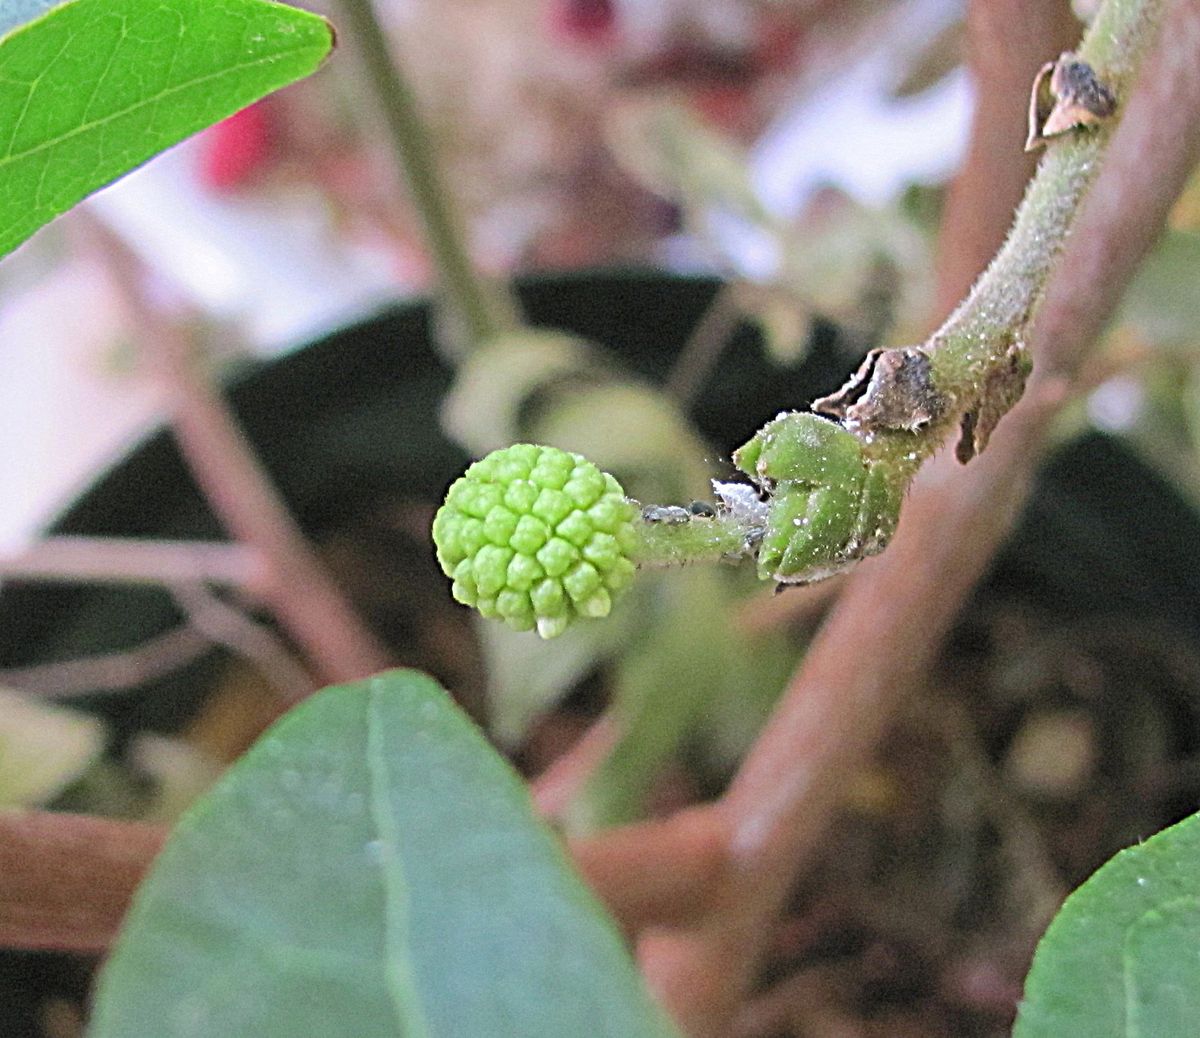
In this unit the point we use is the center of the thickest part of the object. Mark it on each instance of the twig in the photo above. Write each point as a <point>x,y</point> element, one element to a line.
<point>485,310</point>
<point>891,618</point>
<point>111,672</point>
<point>976,358</point>
<point>704,345</point>
<point>297,589</point>
<point>226,625</point>
<point>210,621</point>
<point>66,880</point>
<point>1007,42</point>
<point>127,560</point>
<point>1156,150</point>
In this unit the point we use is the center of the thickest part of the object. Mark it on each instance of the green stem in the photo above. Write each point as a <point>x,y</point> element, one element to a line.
<point>1002,304</point>
<point>485,310</point>
<point>977,359</point>
<point>663,544</point>
<point>1000,308</point>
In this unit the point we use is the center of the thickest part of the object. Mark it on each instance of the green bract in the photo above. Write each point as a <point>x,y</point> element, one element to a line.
<point>828,504</point>
<point>536,536</point>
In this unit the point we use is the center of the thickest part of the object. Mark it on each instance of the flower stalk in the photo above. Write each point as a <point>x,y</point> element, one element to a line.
<point>484,310</point>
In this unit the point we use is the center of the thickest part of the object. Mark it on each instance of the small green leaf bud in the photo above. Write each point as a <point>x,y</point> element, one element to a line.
<point>828,506</point>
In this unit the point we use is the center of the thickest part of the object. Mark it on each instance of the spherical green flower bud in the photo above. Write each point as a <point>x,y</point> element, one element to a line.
<point>537,537</point>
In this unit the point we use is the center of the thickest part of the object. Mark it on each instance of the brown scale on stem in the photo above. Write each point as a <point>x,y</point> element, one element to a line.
<point>892,389</point>
<point>1067,95</point>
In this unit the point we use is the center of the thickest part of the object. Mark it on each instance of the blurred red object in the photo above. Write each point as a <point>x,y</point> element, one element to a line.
<point>778,41</point>
<point>236,150</point>
<point>588,22</point>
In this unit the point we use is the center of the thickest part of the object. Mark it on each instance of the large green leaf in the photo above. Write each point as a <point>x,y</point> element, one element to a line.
<point>93,88</point>
<point>1122,957</point>
<point>370,867</point>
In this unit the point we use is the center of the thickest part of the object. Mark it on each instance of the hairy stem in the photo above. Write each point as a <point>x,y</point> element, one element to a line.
<point>663,544</point>
<point>904,402</point>
<point>1003,301</point>
<point>484,309</point>
<point>1007,42</point>
<point>996,316</point>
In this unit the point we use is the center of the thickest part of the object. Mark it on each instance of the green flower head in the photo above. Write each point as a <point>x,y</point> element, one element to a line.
<point>537,537</point>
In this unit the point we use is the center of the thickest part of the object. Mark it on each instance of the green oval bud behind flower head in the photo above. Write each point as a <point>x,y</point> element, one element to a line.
<point>537,537</point>
<point>828,507</point>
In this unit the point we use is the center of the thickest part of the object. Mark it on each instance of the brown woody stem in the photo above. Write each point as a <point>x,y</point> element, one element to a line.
<point>296,586</point>
<point>66,880</point>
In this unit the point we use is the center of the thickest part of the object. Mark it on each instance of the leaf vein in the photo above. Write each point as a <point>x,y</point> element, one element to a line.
<point>398,968</point>
<point>112,57</point>
<point>145,102</point>
<point>33,88</point>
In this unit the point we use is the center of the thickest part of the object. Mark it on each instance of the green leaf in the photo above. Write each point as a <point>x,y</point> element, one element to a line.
<point>1122,957</point>
<point>1162,971</point>
<point>370,867</point>
<point>94,88</point>
<point>43,749</point>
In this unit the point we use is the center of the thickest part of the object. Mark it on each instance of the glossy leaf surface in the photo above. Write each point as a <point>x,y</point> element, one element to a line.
<point>94,88</point>
<point>370,867</point>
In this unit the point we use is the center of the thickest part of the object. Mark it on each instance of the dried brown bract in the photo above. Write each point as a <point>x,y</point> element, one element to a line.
<point>892,389</point>
<point>1066,95</point>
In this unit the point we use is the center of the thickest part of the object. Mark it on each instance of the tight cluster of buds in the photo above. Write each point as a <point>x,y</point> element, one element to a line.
<point>537,537</point>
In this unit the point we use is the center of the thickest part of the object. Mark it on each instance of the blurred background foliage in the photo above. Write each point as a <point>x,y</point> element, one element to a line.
<point>794,151</point>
